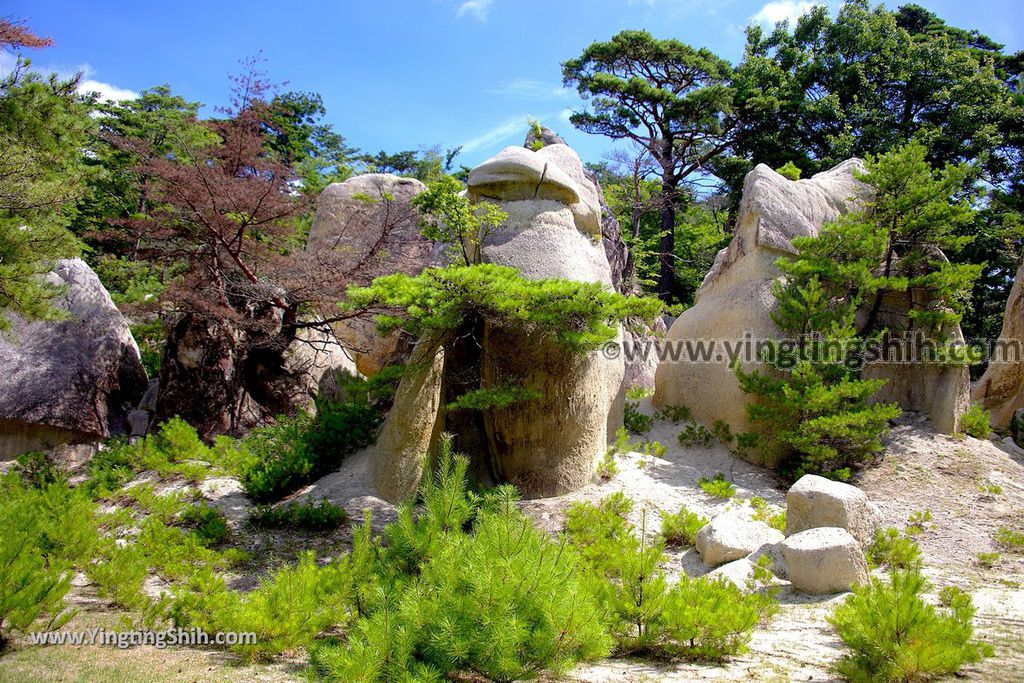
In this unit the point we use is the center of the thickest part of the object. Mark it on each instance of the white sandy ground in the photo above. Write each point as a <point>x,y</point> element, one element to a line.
<point>921,470</point>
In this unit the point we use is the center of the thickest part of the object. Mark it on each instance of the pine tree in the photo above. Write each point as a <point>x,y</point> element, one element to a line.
<point>812,409</point>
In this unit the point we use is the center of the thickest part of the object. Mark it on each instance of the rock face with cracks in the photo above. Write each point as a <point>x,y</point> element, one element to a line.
<point>1001,389</point>
<point>547,445</point>
<point>68,381</point>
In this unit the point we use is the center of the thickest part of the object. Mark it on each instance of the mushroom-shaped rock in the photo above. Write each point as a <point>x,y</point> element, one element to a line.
<point>547,445</point>
<point>555,172</point>
<point>69,381</point>
<point>731,536</point>
<point>824,560</point>
<point>735,299</point>
<point>815,501</point>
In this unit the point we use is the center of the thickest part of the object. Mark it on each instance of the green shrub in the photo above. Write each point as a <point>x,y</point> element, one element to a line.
<point>639,393</point>
<point>988,560</point>
<point>621,445</point>
<point>695,619</point>
<point>894,635</point>
<point>461,603</point>
<point>175,450</point>
<point>46,533</point>
<point>975,422</point>
<point>789,170</point>
<point>709,620</point>
<point>674,414</point>
<point>165,507</point>
<point>990,487</point>
<point>723,432</point>
<point>607,468</point>
<point>340,429</point>
<point>172,553</point>
<point>652,448</point>
<point>296,450</point>
<point>764,513</point>
<point>280,460</point>
<point>893,549</point>
<point>680,528</point>
<point>717,487</point>
<point>110,469</point>
<point>286,611</point>
<point>696,436</point>
<point>208,523</point>
<point>39,470</point>
<point>1010,539</point>
<point>635,421</point>
<point>306,516</point>
<point>918,522</point>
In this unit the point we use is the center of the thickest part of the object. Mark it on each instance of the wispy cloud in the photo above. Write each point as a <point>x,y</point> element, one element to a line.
<point>529,89</point>
<point>478,9</point>
<point>511,128</point>
<point>499,133</point>
<point>782,10</point>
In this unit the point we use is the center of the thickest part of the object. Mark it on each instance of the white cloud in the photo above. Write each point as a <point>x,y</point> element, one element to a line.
<point>477,8</point>
<point>502,131</point>
<point>782,10</point>
<point>529,89</point>
<point>106,91</point>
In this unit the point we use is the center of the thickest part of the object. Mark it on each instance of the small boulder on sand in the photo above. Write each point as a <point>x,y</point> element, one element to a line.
<point>824,560</point>
<point>815,501</point>
<point>738,572</point>
<point>731,536</point>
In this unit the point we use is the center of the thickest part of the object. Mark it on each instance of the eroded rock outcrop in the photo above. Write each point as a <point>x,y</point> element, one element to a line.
<point>367,226</point>
<point>548,445</point>
<point>735,300</point>
<point>940,391</point>
<point>1001,389</point>
<point>70,381</point>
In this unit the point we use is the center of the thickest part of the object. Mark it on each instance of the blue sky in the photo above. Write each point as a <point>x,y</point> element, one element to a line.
<point>407,74</point>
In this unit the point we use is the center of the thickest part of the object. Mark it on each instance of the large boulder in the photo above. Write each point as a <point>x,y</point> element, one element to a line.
<point>1001,389</point>
<point>735,300</point>
<point>201,375</point>
<point>824,560</point>
<point>69,381</point>
<point>940,391</point>
<point>365,227</point>
<point>548,445</point>
<point>731,536</point>
<point>815,501</point>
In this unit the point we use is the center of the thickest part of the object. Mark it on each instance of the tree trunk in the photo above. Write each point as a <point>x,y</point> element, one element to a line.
<point>667,248</point>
